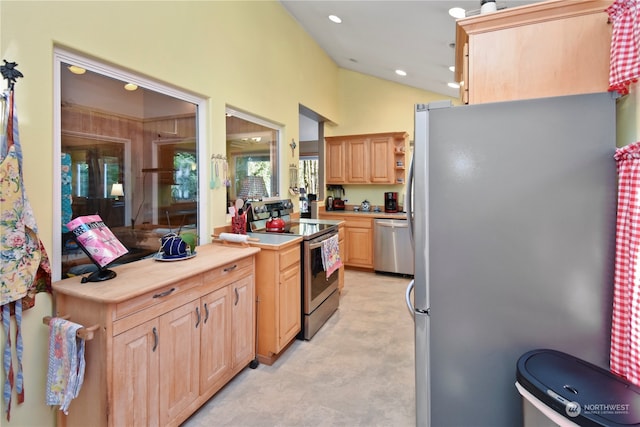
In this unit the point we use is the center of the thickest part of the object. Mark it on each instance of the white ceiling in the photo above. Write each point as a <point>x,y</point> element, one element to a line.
<point>376,37</point>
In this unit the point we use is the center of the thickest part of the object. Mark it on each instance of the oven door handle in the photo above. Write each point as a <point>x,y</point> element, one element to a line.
<point>315,245</point>
<point>318,244</point>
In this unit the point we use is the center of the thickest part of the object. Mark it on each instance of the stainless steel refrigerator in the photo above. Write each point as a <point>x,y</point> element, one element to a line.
<point>513,208</point>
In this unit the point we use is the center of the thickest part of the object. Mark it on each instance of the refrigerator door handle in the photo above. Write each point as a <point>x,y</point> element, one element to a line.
<point>407,202</point>
<point>412,309</point>
<point>407,297</point>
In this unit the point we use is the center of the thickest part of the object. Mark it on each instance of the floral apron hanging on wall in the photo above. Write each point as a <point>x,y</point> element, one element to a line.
<point>25,269</point>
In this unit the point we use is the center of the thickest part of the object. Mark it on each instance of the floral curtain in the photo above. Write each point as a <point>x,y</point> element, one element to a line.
<point>625,340</point>
<point>624,66</point>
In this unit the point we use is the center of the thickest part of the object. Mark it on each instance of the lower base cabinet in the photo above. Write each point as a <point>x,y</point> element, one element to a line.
<point>359,243</point>
<point>158,356</point>
<point>278,288</point>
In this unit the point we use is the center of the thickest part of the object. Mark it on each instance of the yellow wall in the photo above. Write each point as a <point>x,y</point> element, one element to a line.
<point>250,55</point>
<point>368,105</point>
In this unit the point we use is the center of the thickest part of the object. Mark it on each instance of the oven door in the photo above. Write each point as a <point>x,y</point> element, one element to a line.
<point>317,287</point>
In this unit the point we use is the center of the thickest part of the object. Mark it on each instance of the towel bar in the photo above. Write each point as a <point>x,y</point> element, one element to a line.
<point>82,333</point>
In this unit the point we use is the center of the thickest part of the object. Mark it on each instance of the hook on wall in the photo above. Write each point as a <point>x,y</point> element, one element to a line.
<point>10,73</point>
<point>293,146</point>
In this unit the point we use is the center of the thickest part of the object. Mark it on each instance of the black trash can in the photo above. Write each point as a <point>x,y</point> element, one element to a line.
<point>582,393</point>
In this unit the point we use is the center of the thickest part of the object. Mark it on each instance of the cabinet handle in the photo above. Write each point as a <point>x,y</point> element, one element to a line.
<point>164,294</point>
<point>237,296</point>
<point>198,314</point>
<point>206,312</point>
<point>155,339</point>
<point>228,269</point>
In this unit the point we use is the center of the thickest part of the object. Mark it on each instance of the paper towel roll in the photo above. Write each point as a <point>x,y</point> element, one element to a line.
<point>237,238</point>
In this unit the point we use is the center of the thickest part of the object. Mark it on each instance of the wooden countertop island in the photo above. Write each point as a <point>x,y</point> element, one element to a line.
<point>169,335</point>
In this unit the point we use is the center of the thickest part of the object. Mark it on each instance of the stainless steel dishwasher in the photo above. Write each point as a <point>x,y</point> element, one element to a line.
<point>392,251</point>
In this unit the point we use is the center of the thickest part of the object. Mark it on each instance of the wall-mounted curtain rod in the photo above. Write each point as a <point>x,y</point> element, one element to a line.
<point>10,73</point>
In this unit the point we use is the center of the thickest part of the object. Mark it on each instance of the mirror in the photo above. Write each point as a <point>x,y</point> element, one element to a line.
<point>252,156</point>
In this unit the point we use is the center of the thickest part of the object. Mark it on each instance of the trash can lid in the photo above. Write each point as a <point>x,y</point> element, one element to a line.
<point>579,390</point>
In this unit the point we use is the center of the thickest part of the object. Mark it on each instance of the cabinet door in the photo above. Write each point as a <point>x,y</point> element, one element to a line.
<point>243,321</point>
<point>381,160</point>
<point>357,161</point>
<point>135,387</point>
<point>179,359</point>
<point>359,251</point>
<point>335,161</point>
<point>290,318</point>
<point>215,336</point>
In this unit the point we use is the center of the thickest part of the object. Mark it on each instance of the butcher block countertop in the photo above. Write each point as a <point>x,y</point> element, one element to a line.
<point>146,275</point>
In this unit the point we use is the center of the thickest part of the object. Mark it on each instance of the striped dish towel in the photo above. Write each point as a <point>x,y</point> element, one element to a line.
<point>66,363</point>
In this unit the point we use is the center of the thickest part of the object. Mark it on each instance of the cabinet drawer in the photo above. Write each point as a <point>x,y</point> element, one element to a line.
<point>359,222</point>
<point>229,273</point>
<point>289,257</point>
<point>175,291</point>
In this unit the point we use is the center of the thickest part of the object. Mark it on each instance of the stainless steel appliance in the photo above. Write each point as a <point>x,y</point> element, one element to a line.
<point>514,227</point>
<point>391,202</point>
<point>392,250</point>
<point>320,297</point>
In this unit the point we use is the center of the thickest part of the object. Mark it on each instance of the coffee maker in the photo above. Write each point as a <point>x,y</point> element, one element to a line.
<point>391,202</point>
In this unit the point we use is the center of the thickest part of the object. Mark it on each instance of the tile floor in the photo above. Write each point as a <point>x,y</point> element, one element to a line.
<point>356,371</point>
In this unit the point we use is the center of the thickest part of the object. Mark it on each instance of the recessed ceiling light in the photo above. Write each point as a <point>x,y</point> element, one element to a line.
<point>401,73</point>
<point>457,12</point>
<point>131,86</point>
<point>452,68</point>
<point>453,85</point>
<point>76,70</point>
<point>336,19</point>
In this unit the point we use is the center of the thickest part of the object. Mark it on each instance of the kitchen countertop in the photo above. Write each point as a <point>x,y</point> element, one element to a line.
<point>370,214</point>
<point>273,240</point>
<point>140,277</point>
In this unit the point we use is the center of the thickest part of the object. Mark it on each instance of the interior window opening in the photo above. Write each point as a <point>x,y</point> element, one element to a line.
<point>252,150</point>
<point>136,166</point>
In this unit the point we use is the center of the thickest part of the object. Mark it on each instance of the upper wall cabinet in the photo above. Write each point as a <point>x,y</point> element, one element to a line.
<point>377,158</point>
<point>552,48</point>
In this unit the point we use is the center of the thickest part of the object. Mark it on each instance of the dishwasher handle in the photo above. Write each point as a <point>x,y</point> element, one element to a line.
<point>392,224</point>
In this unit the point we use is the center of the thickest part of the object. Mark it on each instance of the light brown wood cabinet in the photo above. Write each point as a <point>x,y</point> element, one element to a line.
<point>359,242</point>
<point>552,48</point>
<point>170,335</point>
<point>278,289</point>
<point>366,159</point>
<point>335,161</point>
